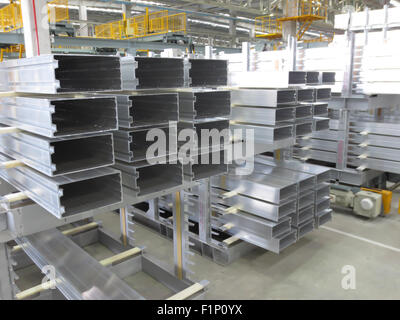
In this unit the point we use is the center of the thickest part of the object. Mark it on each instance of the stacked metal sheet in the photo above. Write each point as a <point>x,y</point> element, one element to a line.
<point>62,145</point>
<point>205,114</point>
<point>277,205</point>
<point>146,120</point>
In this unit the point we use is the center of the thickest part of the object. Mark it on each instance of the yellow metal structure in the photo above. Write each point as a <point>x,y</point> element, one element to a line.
<point>305,12</point>
<point>319,39</point>
<point>58,11</point>
<point>386,198</point>
<point>148,24</point>
<point>20,49</point>
<point>10,17</point>
<point>268,27</point>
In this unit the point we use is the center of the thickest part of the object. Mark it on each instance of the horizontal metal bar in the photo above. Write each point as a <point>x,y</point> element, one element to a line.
<point>375,164</point>
<point>264,134</point>
<point>59,156</point>
<point>322,94</point>
<point>375,152</point>
<point>60,117</point>
<point>318,144</point>
<point>70,194</point>
<point>205,166</point>
<point>320,109</point>
<point>304,112</point>
<point>305,95</point>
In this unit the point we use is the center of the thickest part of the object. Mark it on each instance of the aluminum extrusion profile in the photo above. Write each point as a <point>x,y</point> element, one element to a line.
<point>305,181</point>
<point>375,164</point>
<point>305,228</point>
<point>263,116</point>
<point>60,117</point>
<point>303,128</point>
<point>316,154</point>
<point>59,156</point>
<point>258,186</point>
<point>312,77</point>
<point>322,204</point>
<point>56,73</point>
<point>318,144</point>
<point>155,73</point>
<point>304,112</point>
<point>323,174</point>
<point>273,79</point>
<point>128,73</point>
<point>148,109</point>
<point>69,194</point>
<point>272,98</point>
<point>208,72</point>
<point>257,207</point>
<point>143,178</point>
<point>323,218</point>
<point>305,95</point>
<point>320,124</point>
<point>320,109</point>
<point>306,200</point>
<point>328,78</point>
<point>375,140</point>
<point>132,145</point>
<point>331,135</point>
<point>275,245</point>
<point>322,94</point>
<point>264,134</point>
<point>256,226</point>
<point>204,104</point>
<point>204,129</point>
<point>206,165</point>
<point>92,282</point>
<point>303,215</point>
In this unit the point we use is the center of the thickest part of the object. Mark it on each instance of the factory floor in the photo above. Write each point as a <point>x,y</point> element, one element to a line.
<point>310,269</point>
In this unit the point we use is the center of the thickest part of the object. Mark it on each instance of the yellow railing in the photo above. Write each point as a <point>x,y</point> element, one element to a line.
<point>10,18</point>
<point>58,11</point>
<point>316,9</point>
<point>143,25</point>
<point>268,27</point>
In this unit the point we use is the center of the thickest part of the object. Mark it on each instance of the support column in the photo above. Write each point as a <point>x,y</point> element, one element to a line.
<point>205,211</point>
<point>232,29</point>
<point>180,245</point>
<point>126,11</point>
<point>84,30</point>
<point>6,286</point>
<point>36,27</point>
<point>289,28</point>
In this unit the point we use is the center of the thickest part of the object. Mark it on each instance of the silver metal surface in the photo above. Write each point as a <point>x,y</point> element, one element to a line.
<point>59,156</point>
<point>70,194</point>
<point>258,186</point>
<point>204,104</point>
<point>138,110</point>
<point>132,145</point>
<point>265,134</point>
<point>59,117</point>
<point>320,109</point>
<point>273,79</point>
<point>263,116</point>
<point>208,72</point>
<point>64,74</point>
<point>142,178</point>
<point>320,124</point>
<point>205,166</point>
<point>264,98</point>
<point>81,277</point>
<point>305,95</point>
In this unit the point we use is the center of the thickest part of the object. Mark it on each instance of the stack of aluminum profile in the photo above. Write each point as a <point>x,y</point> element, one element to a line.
<point>266,112</point>
<point>309,144</point>
<point>374,144</point>
<point>63,145</point>
<point>322,176</point>
<point>146,120</point>
<point>275,206</point>
<point>153,73</point>
<point>205,114</point>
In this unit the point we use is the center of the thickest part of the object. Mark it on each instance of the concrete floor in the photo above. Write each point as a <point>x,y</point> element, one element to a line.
<point>310,269</point>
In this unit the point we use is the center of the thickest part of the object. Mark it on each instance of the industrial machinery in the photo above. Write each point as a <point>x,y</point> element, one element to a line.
<point>369,203</point>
